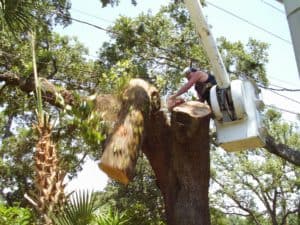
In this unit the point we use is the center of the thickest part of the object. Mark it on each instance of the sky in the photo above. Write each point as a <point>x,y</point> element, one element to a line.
<point>237,20</point>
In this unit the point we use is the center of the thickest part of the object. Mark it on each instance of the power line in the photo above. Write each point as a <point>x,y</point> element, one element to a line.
<point>279,88</point>
<point>282,88</point>
<point>283,110</point>
<point>91,15</point>
<point>291,99</point>
<point>272,6</point>
<point>249,22</point>
<point>283,81</point>
<point>92,25</point>
<point>87,23</point>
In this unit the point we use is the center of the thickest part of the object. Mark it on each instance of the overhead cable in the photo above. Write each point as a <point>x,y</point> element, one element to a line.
<point>272,6</point>
<point>284,110</point>
<point>91,15</point>
<point>249,22</point>
<point>279,88</point>
<point>291,99</point>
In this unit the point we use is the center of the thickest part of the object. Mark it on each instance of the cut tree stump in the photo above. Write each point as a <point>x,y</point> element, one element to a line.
<point>179,155</point>
<point>189,172</point>
<point>186,117</point>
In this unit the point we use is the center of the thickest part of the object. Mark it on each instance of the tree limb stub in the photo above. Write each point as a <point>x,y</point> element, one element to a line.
<point>283,151</point>
<point>50,94</point>
<point>122,146</point>
<point>60,97</point>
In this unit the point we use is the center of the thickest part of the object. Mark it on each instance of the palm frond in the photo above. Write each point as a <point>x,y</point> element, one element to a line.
<point>78,210</point>
<point>112,217</point>
<point>17,15</point>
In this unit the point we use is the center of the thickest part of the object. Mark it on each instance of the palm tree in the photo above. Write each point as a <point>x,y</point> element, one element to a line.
<point>18,16</point>
<point>49,186</point>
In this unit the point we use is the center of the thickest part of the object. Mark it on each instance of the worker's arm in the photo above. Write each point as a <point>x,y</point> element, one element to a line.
<point>187,85</point>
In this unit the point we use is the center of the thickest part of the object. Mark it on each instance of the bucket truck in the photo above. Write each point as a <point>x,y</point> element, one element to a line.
<point>235,104</point>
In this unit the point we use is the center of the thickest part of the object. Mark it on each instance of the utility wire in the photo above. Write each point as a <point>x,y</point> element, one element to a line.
<point>272,6</point>
<point>93,25</point>
<point>91,15</point>
<point>279,88</point>
<point>281,109</point>
<point>249,22</point>
<point>291,99</point>
<point>282,81</point>
<point>86,23</point>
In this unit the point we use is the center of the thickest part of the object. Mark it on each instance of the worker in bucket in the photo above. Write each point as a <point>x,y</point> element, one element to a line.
<point>202,82</point>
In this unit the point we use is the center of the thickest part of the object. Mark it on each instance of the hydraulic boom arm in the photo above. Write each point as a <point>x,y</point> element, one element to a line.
<point>234,103</point>
<point>207,39</point>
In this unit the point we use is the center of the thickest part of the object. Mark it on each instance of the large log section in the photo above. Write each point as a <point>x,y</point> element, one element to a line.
<point>178,151</point>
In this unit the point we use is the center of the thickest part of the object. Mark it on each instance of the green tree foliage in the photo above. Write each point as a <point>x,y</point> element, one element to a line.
<point>256,184</point>
<point>16,166</point>
<point>219,218</point>
<point>246,60</point>
<point>112,217</point>
<point>114,2</point>
<point>161,45</point>
<point>141,199</point>
<point>156,44</point>
<point>15,215</point>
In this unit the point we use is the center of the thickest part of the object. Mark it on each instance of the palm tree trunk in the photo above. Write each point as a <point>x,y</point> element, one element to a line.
<point>49,177</point>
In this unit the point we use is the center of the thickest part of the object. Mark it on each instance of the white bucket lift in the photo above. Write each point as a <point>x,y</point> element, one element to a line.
<point>235,104</point>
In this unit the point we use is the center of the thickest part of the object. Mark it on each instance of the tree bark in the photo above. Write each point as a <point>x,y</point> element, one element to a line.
<point>120,154</point>
<point>179,155</point>
<point>283,151</point>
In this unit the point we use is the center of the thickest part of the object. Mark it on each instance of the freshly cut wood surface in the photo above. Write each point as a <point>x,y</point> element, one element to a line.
<point>193,108</point>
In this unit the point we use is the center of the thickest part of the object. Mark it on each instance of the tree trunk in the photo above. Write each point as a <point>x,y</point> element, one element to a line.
<point>178,152</point>
<point>179,155</point>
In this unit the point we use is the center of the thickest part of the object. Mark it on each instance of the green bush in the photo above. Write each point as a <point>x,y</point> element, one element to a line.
<point>15,216</point>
